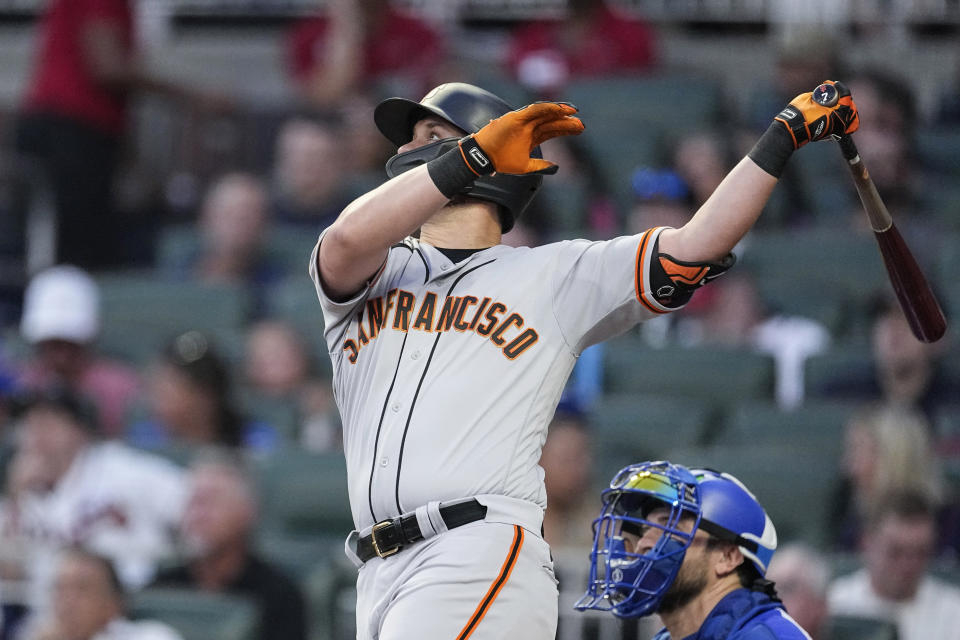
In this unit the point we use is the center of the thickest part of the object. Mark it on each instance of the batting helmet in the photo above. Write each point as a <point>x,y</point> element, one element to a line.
<point>632,584</point>
<point>469,108</point>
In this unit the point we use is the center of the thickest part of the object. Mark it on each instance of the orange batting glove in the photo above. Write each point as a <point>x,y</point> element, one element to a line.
<point>505,144</point>
<point>808,118</point>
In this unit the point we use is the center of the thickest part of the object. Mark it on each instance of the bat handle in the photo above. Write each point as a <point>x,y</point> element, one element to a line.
<point>880,219</point>
<point>849,149</point>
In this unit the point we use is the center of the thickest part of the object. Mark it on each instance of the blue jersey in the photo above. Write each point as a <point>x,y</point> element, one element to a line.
<point>746,615</point>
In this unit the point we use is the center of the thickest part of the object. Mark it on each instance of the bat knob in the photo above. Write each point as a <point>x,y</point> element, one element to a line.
<point>826,95</point>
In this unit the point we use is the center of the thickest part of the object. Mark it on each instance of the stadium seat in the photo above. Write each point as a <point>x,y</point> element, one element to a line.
<point>142,311</point>
<point>843,265</point>
<point>280,413</point>
<point>938,149</point>
<point>304,493</point>
<point>793,484</point>
<point>855,628</point>
<point>613,105</point>
<point>199,615</point>
<point>294,300</point>
<point>711,374</point>
<point>836,365</point>
<point>298,555</point>
<point>332,596</point>
<point>632,427</point>
<point>287,245</point>
<point>818,424</point>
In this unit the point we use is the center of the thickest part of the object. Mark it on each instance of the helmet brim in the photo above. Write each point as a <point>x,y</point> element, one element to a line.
<point>395,118</point>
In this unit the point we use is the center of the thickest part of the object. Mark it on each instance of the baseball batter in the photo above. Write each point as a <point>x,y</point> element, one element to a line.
<point>450,350</point>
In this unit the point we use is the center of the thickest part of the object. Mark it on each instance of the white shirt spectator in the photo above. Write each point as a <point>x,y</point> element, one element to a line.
<point>122,629</point>
<point>934,612</point>
<point>114,500</point>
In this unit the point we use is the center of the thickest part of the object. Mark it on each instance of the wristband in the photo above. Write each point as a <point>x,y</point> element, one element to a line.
<point>450,174</point>
<point>773,149</point>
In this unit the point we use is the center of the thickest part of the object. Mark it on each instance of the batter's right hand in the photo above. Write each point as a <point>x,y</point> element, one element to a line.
<point>508,140</point>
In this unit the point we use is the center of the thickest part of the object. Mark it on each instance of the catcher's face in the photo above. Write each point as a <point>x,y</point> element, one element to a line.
<point>431,129</point>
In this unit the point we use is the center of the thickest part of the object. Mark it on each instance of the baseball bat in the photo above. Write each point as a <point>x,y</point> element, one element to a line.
<point>917,300</point>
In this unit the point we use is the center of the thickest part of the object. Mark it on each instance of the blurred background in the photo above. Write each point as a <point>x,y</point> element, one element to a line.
<point>167,165</point>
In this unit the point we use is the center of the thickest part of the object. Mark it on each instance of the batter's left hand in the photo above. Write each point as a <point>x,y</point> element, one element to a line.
<point>509,139</point>
<point>808,120</point>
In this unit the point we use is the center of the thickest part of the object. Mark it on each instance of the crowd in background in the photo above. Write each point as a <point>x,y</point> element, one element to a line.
<point>123,473</point>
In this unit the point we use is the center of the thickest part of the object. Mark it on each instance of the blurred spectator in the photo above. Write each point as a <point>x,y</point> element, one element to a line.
<point>357,44</point>
<point>662,198</point>
<point>310,174</point>
<point>802,575</point>
<point>886,141</point>
<point>898,544</point>
<point>594,39</point>
<point>61,320</point>
<point>702,159</point>
<point>279,365</point>
<point>885,448</point>
<point>216,532</point>
<point>88,604</point>
<point>74,118</point>
<point>191,402</point>
<point>568,466</point>
<point>234,226</point>
<point>904,370</point>
<point>65,488</point>
<point>805,56</point>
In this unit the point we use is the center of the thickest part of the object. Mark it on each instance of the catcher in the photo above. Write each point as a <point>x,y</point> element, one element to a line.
<point>692,545</point>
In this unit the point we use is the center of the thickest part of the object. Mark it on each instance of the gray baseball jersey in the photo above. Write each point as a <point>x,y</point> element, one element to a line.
<point>447,375</point>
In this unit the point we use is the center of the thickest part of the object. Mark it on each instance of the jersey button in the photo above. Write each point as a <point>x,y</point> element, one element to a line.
<point>395,408</point>
<point>415,355</point>
<point>383,462</point>
<point>444,267</point>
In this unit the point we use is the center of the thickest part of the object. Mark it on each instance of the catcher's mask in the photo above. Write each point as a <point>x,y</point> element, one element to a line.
<point>469,108</point>
<point>632,585</point>
<point>627,583</point>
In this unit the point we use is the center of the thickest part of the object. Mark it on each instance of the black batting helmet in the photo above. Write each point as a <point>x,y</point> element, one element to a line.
<point>470,108</point>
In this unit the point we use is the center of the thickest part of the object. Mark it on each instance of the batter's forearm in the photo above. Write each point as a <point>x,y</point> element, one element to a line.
<point>356,244</point>
<point>724,218</point>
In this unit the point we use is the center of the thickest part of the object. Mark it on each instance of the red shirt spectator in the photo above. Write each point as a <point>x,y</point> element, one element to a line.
<point>63,82</point>
<point>391,43</point>
<point>595,40</point>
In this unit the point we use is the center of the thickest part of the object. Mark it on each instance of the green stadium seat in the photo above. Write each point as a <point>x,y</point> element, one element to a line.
<point>281,413</point>
<point>627,123</point>
<point>294,300</point>
<point>716,375</point>
<point>818,424</point>
<point>836,364</point>
<point>142,311</point>
<point>332,596</point>
<point>199,615</point>
<point>304,493</point>
<point>630,427</point>
<point>855,628</point>
<point>793,484</point>
<point>844,266</point>
<point>299,555</point>
<point>938,149</point>
<point>287,246</point>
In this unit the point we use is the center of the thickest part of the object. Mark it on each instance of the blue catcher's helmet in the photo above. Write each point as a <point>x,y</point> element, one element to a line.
<point>632,585</point>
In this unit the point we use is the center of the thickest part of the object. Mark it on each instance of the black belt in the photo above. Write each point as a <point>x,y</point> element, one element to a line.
<point>390,536</point>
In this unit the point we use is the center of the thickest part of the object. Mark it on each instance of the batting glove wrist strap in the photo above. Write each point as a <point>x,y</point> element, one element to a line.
<point>452,173</point>
<point>773,149</point>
